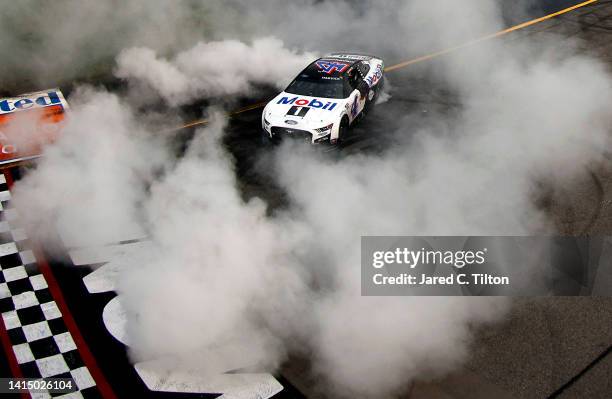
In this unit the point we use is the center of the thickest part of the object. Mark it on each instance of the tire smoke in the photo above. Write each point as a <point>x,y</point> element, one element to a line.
<point>230,285</point>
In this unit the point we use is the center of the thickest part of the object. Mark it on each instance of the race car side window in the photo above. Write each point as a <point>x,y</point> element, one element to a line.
<point>363,68</point>
<point>354,77</point>
<point>357,82</point>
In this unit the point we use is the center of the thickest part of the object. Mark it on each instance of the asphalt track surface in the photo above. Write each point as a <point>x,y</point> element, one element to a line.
<point>558,345</point>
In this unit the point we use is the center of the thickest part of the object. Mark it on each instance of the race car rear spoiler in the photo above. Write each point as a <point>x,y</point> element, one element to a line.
<point>28,122</point>
<point>351,56</point>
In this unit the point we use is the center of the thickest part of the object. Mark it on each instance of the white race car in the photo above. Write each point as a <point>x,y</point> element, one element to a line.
<point>325,99</point>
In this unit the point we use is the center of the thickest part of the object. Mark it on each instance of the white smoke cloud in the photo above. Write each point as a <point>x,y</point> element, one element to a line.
<point>97,171</point>
<point>47,51</point>
<point>522,121</point>
<point>52,43</point>
<point>212,69</point>
<point>253,287</point>
<point>221,264</point>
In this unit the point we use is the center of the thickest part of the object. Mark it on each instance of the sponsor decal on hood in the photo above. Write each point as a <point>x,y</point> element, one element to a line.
<point>303,102</point>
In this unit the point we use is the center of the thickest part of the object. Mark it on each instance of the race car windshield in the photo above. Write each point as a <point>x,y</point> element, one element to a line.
<point>317,87</point>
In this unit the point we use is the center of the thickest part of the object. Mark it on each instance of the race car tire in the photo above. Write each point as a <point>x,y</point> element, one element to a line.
<point>370,104</point>
<point>265,138</point>
<point>344,128</point>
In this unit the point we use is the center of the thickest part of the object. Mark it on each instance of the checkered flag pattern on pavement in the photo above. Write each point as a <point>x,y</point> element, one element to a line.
<point>39,337</point>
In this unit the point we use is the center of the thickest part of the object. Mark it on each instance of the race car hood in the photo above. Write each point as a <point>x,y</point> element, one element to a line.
<point>303,112</point>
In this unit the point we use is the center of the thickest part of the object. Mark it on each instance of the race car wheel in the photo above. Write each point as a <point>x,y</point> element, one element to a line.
<point>344,127</point>
<point>377,90</point>
<point>265,138</point>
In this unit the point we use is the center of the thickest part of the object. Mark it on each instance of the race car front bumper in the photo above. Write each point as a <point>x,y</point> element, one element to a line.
<point>279,133</point>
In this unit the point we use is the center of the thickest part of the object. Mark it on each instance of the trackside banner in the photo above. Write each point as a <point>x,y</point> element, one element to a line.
<point>28,122</point>
<point>486,266</point>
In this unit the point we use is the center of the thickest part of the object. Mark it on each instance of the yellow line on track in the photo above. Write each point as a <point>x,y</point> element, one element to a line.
<point>491,36</point>
<point>232,113</point>
<point>424,57</point>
